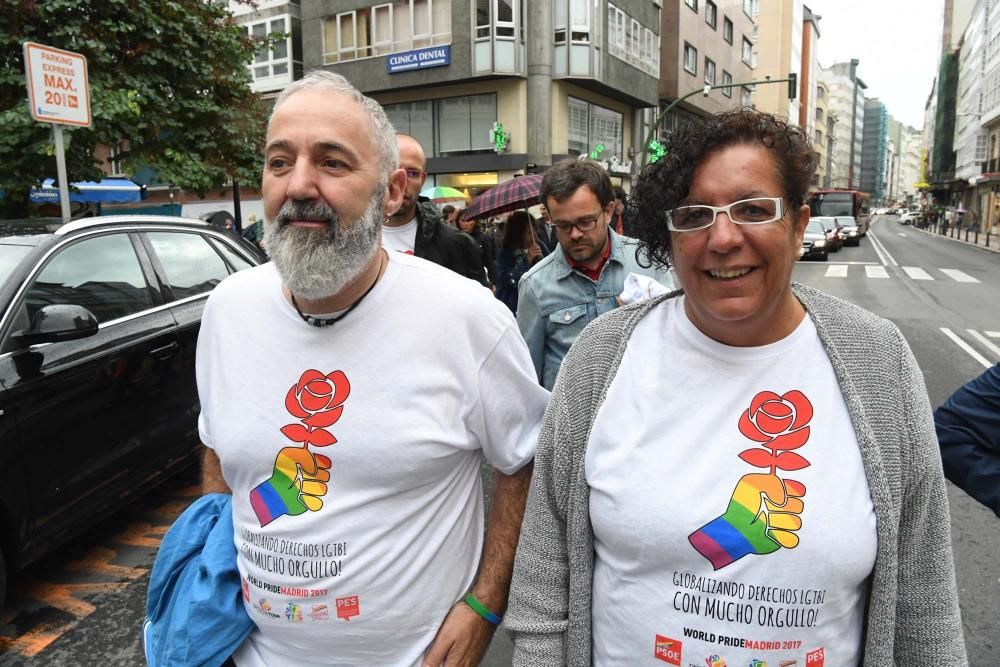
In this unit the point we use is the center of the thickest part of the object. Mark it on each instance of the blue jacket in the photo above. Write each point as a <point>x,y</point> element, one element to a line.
<point>555,302</point>
<point>968,430</point>
<point>194,611</point>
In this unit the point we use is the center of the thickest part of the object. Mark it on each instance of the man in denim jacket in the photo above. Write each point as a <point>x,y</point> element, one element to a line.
<point>583,277</point>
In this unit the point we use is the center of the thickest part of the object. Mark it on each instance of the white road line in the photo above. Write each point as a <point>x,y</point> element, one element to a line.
<point>916,273</point>
<point>876,272</point>
<point>988,344</point>
<point>966,347</point>
<point>837,271</point>
<point>901,234</point>
<point>881,256</point>
<point>960,276</point>
<point>876,243</point>
<point>803,261</point>
<point>992,334</point>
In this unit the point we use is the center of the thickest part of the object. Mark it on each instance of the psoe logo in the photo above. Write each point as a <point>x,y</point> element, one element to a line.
<point>668,650</point>
<point>715,660</point>
<point>756,662</point>
<point>815,658</point>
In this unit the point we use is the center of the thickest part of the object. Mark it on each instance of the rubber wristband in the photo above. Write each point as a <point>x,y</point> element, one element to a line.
<point>481,609</point>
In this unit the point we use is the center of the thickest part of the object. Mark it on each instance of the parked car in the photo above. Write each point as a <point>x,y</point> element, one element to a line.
<point>98,403</point>
<point>908,217</point>
<point>834,240</point>
<point>814,245</point>
<point>849,230</point>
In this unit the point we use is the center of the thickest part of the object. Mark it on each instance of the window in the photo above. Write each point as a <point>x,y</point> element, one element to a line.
<point>483,26</point>
<point>727,30</point>
<point>101,274</point>
<point>690,59</point>
<point>819,137</point>
<point>391,27</point>
<point>748,8</point>
<point>709,71</point>
<point>819,114</point>
<point>271,59</point>
<point>693,4</point>
<point>236,261</point>
<point>633,42</point>
<point>579,15</point>
<point>981,146</point>
<point>747,52</point>
<point>463,124</point>
<point>591,125</point>
<point>115,155</point>
<point>415,119</point>
<point>711,13</point>
<point>727,78</point>
<point>191,265</point>
<point>820,94</point>
<point>745,100</point>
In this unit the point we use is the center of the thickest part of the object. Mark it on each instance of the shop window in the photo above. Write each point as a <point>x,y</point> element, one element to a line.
<point>591,126</point>
<point>448,126</point>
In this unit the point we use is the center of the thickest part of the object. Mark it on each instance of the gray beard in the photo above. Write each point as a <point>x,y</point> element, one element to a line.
<point>316,264</point>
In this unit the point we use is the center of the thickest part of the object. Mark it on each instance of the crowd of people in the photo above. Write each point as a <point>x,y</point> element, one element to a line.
<point>715,474</point>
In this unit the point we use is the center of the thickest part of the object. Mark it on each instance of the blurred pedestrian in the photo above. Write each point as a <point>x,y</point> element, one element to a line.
<point>618,217</point>
<point>487,250</point>
<point>518,253</point>
<point>448,214</point>
<point>725,458</point>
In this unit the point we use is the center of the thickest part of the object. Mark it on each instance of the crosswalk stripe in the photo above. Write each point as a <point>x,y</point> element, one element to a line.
<point>992,334</point>
<point>966,347</point>
<point>876,272</point>
<point>988,344</point>
<point>836,271</point>
<point>960,276</point>
<point>916,273</point>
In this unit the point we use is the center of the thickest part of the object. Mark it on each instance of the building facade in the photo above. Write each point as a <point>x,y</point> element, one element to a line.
<point>778,45</point>
<point>705,43</point>
<point>278,23</point>
<point>808,74</point>
<point>821,135</point>
<point>845,105</point>
<point>875,158</point>
<point>493,88</point>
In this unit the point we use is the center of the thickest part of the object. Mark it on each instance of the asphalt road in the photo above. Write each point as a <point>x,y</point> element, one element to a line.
<point>84,606</point>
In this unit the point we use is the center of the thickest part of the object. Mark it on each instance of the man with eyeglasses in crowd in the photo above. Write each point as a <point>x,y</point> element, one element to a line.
<point>585,275</point>
<point>417,228</point>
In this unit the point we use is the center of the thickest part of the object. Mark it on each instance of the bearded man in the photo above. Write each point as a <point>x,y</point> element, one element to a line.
<point>351,441</point>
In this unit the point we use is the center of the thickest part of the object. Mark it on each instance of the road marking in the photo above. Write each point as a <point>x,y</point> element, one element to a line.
<point>876,272</point>
<point>901,234</point>
<point>880,249</point>
<point>916,273</point>
<point>966,347</point>
<point>993,334</point>
<point>836,271</point>
<point>805,261</point>
<point>988,344</point>
<point>960,276</point>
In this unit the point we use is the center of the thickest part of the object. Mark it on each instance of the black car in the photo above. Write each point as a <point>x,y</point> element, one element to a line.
<point>834,239</point>
<point>98,403</point>
<point>850,231</point>
<point>814,242</point>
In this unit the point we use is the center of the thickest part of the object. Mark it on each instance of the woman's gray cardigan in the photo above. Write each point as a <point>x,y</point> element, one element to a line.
<point>912,617</point>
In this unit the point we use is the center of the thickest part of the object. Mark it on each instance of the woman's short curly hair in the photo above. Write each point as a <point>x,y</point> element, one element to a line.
<point>664,185</point>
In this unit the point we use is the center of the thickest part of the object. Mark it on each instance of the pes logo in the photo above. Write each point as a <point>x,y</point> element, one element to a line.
<point>815,658</point>
<point>668,650</point>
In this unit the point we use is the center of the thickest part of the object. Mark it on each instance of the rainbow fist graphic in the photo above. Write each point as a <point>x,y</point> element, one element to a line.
<point>763,512</point>
<point>298,480</point>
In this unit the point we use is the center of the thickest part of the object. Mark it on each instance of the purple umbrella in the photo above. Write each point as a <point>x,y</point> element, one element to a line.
<point>515,194</point>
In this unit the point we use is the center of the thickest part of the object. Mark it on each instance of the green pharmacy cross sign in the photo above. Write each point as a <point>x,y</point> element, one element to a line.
<point>499,138</point>
<point>656,151</point>
<point>598,149</point>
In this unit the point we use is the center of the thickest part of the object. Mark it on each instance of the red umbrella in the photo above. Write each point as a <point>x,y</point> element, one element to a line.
<point>517,193</point>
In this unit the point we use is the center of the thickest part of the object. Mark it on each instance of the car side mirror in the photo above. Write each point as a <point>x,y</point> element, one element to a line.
<point>53,324</point>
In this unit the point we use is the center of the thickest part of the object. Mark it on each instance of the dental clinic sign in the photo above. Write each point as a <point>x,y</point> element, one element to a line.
<point>57,85</point>
<point>435,56</point>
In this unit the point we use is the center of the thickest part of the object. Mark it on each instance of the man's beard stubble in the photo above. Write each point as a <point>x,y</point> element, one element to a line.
<point>316,264</point>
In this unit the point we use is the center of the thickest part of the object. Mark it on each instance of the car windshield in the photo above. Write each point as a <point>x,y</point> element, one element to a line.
<point>828,224</point>
<point>847,222</point>
<point>815,226</point>
<point>10,255</point>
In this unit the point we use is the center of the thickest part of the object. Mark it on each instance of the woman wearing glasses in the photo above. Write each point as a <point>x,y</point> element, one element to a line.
<point>744,471</point>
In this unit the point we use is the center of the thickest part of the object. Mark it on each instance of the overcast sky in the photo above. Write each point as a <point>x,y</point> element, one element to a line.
<point>897,42</point>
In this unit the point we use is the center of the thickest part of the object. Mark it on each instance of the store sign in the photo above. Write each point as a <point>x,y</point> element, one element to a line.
<point>435,56</point>
<point>614,165</point>
<point>57,85</point>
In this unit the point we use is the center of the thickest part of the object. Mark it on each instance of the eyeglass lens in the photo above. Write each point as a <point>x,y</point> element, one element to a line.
<point>748,211</point>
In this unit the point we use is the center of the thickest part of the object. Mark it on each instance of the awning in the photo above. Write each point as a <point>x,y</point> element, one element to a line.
<point>117,190</point>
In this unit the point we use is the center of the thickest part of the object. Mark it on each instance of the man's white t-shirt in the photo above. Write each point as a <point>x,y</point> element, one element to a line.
<point>679,463</point>
<point>401,397</point>
<point>402,239</point>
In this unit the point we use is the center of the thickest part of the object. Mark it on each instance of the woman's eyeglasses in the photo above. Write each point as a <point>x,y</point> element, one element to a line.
<point>757,211</point>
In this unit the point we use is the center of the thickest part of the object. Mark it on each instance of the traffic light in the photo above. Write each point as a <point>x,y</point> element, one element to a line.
<point>793,85</point>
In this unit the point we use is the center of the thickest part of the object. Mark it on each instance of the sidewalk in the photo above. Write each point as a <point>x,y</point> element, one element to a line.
<point>989,242</point>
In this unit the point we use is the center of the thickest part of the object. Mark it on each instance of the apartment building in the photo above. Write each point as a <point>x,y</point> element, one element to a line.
<point>492,88</point>
<point>845,103</point>
<point>821,135</point>
<point>875,160</point>
<point>278,21</point>
<point>705,43</point>
<point>778,46</point>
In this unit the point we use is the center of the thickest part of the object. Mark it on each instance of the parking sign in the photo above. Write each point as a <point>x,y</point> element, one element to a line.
<point>57,85</point>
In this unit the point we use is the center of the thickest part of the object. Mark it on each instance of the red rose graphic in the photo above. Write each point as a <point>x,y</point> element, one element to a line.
<point>779,423</point>
<point>318,401</point>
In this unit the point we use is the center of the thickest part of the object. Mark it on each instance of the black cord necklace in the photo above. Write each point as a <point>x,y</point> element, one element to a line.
<point>325,322</point>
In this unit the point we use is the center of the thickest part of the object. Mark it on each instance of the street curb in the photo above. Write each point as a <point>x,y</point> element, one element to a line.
<point>968,243</point>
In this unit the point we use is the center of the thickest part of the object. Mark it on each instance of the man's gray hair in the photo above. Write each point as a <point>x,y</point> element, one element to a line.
<point>383,135</point>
